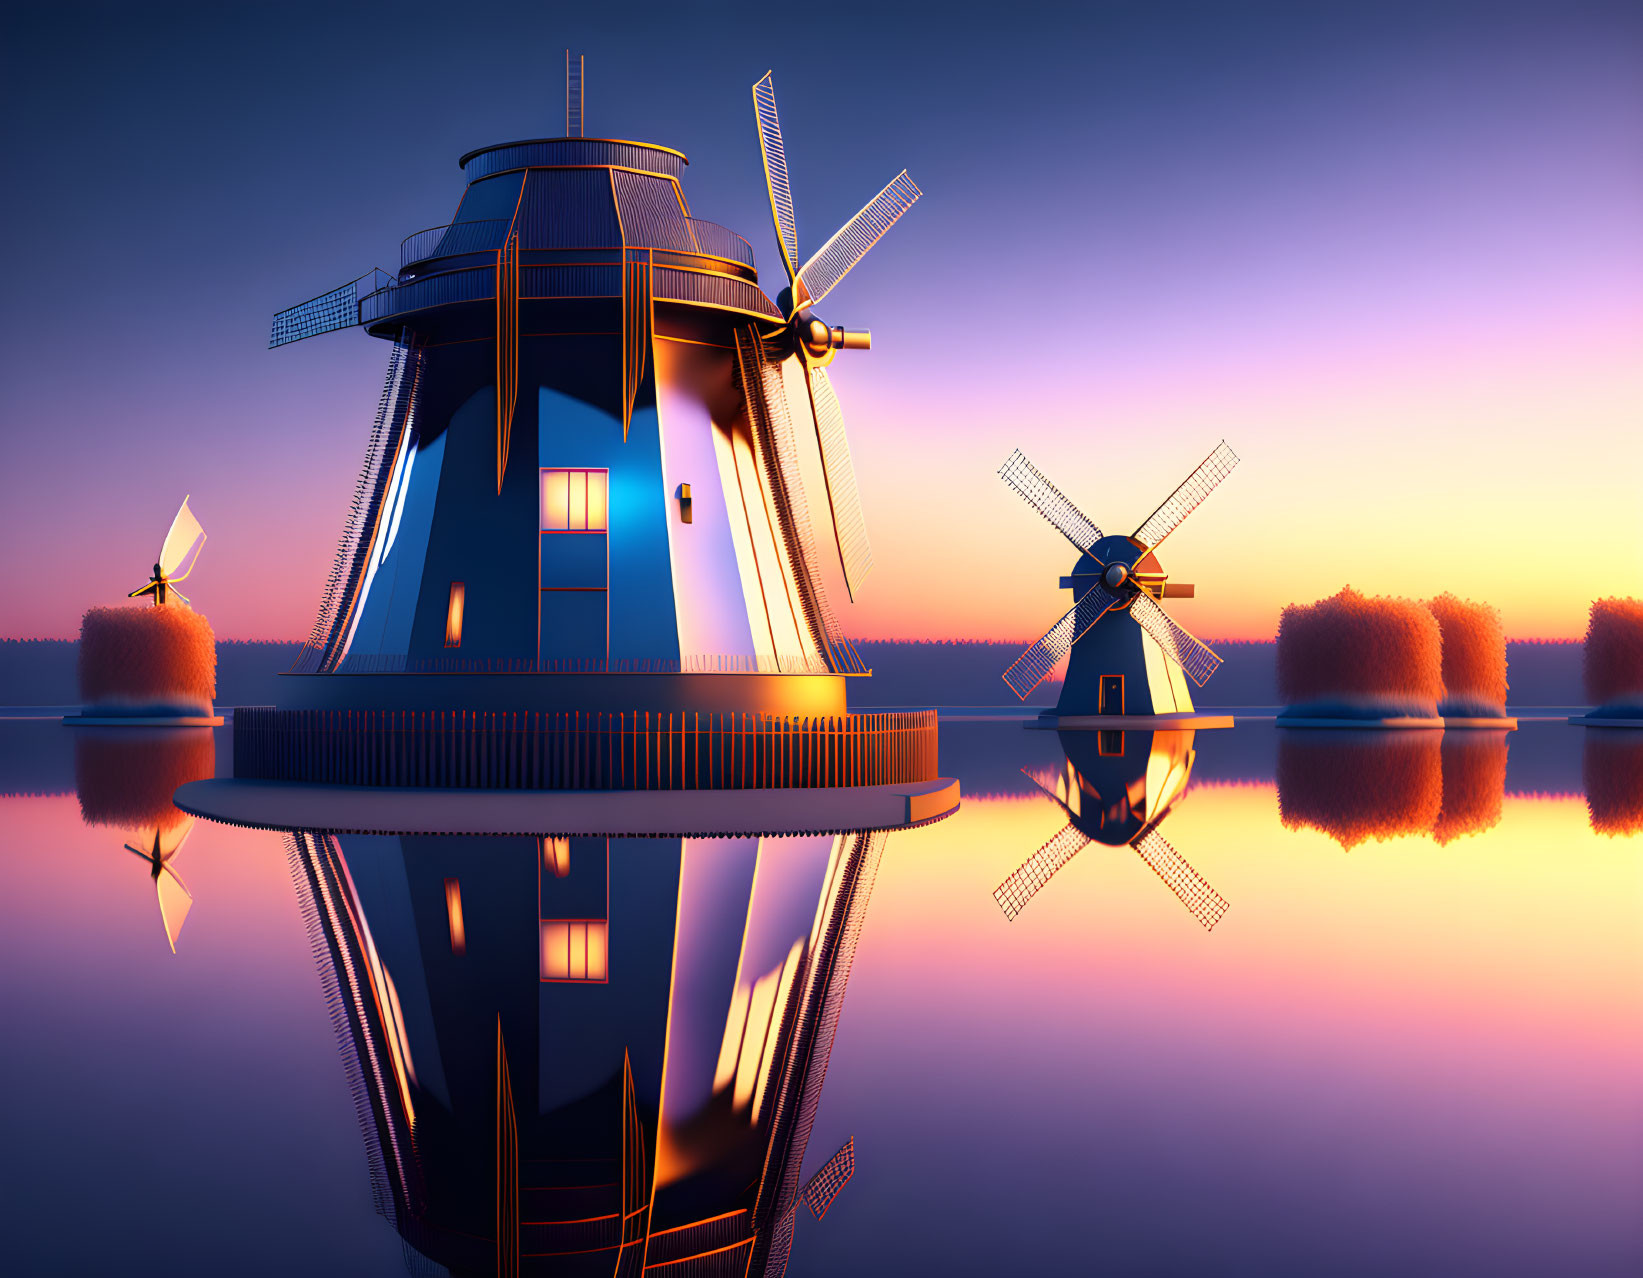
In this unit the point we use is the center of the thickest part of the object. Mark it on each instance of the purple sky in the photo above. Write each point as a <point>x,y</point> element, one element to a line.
<point>1390,251</point>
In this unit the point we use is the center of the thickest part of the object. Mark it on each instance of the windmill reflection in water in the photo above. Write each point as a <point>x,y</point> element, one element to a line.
<point>591,1054</point>
<point>1116,789</point>
<point>124,778</point>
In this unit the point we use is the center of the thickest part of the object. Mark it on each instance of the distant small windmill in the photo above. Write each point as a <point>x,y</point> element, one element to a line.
<point>1118,797</point>
<point>174,897</point>
<point>1130,665</point>
<point>178,556</point>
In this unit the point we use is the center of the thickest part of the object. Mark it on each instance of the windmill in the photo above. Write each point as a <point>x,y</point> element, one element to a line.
<point>1128,655</point>
<point>174,897</point>
<point>178,555</point>
<point>577,352</point>
<point>1118,793</point>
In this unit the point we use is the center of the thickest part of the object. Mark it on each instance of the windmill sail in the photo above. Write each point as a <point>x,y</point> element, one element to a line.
<point>182,545</point>
<point>839,474</point>
<point>834,260</point>
<point>1204,902</point>
<point>1185,499</point>
<point>824,1186</point>
<point>1192,654</point>
<point>1013,894</point>
<point>175,903</point>
<point>1035,488</point>
<point>175,900</point>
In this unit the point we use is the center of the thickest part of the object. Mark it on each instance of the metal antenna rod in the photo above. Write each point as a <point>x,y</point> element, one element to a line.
<point>573,94</point>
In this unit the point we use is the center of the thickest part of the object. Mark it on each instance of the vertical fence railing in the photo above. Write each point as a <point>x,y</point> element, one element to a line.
<point>645,750</point>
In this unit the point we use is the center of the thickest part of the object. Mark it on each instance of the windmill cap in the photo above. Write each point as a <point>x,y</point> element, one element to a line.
<point>548,153</point>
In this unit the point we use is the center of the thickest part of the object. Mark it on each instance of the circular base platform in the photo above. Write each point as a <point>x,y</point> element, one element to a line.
<point>1131,722</point>
<point>340,809</point>
<point>1593,721</point>
<point>1391,722</point>
<point>1505,723</point>
<point>142,721</point>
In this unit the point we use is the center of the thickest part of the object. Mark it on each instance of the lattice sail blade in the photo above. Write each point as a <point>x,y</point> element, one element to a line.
<point>839,473</point>
<point>1191,654</point>
<point>775,451</point>
<point>1187,497</point>
<point>1204,902</point>
<point>822,1188</point>
<point>1048,790</point>
<point>1048,500</point>
<point>323,314</point>
<point>775,174</point>
<point>182,545</point>
<point>1028,670</point>
<point>1013,894</point>
<point>835,259</point>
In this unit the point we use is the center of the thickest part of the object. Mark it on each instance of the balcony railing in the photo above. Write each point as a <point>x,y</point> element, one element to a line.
<point>483,235</point>
<point>486,235</point>
<point>720,241</point>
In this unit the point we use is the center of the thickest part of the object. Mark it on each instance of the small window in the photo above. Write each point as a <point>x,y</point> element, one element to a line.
<point>574,950</point>
<point>453,616</point>
<point>574,500</point>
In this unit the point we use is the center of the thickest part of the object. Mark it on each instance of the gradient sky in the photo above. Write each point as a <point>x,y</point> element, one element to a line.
<point>1391,252</point>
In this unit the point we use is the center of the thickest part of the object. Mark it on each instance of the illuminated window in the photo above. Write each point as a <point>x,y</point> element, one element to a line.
<point>556,856</point>
<point>453,913</point>
<point>574,950</point>
<point>573,500</point>
<point>453,616</point>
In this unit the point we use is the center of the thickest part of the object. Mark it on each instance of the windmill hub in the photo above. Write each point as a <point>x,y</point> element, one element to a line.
<point>1116,575</point>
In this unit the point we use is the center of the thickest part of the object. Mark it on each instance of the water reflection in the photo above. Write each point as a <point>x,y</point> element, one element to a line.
<point>1612,765</point>
<point>1116,787</point>
<point>124,777</point>
<point>1355,786</point>
<point>594,1054</point>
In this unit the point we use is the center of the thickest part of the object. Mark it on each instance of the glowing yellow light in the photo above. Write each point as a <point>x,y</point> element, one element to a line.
<point>596,501</point>
<point>453,616</point>
<point>453,912</point>
<point>574,950</point>
<point>556,856</point>
<point>574,500</point>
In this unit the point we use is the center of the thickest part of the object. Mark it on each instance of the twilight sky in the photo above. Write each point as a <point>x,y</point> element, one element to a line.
<point>1393,253</point>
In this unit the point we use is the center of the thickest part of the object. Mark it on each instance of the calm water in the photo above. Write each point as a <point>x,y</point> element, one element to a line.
<point>1413,1044</point>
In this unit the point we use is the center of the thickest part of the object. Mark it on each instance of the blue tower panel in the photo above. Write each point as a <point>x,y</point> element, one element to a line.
<point>482,538</point>
<point>575,561</point>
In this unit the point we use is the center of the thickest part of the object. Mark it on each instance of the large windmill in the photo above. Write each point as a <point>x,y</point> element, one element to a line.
<point>1128,655</point>
<point>585,456</point>
<point>1116,789</point>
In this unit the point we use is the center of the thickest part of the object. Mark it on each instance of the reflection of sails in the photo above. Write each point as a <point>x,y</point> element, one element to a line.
<point>1361,785</point>
<point>1116,788</point>
<point>174,897</point>
<point>124,777</point>
<point>589,1054</point>
<point>1613,772</point>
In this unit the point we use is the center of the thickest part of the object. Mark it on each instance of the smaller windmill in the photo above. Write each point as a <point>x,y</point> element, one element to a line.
<point>178,555</point>
<point>1130,664</point>
<point>1118,797</point>
<point>174,897</point>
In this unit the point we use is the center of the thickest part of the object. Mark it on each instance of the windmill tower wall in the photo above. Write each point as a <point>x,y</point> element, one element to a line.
<point>642,519</point>
<point>1118,668</point>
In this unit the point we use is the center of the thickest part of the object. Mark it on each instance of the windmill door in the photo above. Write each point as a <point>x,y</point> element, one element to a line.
<point>573,580</point>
